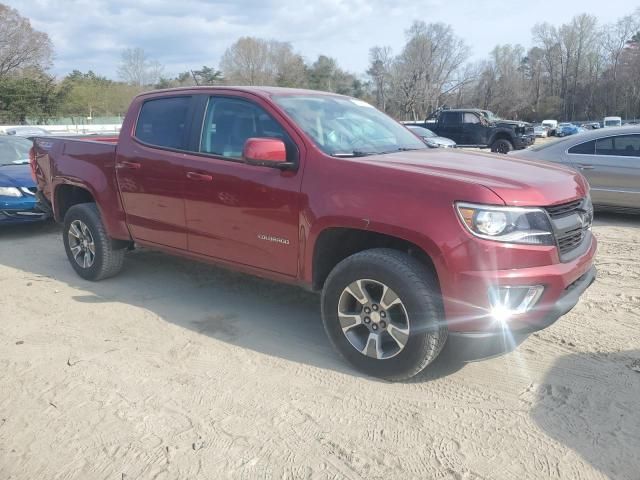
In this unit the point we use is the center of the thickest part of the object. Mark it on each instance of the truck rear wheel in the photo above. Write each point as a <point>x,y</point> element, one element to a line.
<point>382,311</point>
<point>93,255</point>
<point>502,145</point>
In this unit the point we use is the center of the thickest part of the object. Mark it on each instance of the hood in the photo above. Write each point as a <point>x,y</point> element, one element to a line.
<point>16,176</point>
<point>516,181</point>
<point>511,123</point>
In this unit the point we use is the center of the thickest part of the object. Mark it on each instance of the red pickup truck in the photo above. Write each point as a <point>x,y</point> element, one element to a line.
<point>407,244</point>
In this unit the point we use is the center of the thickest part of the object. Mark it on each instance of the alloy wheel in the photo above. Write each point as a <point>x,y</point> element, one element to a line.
<point>81,244</point>
<point>373,319</point>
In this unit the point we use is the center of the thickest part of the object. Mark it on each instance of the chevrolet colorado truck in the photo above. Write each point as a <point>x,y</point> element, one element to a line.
<point>480,128</point>
<point>407,244</point>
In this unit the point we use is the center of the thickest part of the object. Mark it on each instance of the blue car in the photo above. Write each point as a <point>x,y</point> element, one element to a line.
<point>566,129</point>
<point>18,202</point>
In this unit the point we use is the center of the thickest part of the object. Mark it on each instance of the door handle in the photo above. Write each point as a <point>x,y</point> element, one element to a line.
<point>128,165</point>
<point>202,177</point>
<point>586,167</point>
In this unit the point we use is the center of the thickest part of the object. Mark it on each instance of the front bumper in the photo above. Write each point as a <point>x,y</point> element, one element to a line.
<point>524,141</point>
<point>563,305</point>
<point>467,301</point>
<point>21,210</point>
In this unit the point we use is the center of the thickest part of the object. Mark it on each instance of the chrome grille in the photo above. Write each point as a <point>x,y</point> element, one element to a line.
<point>570,240</point>
<point>565,209</point>
<point>571,222</point>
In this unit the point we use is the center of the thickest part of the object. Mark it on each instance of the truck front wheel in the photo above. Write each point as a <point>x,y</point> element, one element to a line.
<point>382,311</point>
<point>502,145</point>
<point>93,255</point>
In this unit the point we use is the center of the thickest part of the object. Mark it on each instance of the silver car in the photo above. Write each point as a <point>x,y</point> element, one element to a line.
<point>431,139</point>
<point>608,158</point>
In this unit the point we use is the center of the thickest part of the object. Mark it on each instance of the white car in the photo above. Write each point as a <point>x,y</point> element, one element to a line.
<point>540,131</point>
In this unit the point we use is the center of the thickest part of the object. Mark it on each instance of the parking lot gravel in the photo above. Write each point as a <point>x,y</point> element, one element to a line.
<point>179,370</point>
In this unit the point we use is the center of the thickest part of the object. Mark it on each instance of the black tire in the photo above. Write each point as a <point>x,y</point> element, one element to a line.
<point>109,254</point>
<point>502,145</point>
<point>419,292</point>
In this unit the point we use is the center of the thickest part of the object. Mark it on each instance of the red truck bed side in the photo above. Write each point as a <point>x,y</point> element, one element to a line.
<point>76,162</point>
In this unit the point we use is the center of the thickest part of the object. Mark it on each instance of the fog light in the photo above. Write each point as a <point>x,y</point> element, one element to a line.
<point>513,300</point>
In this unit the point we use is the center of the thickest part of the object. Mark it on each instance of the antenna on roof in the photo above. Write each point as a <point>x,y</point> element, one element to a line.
<point>195,79</point>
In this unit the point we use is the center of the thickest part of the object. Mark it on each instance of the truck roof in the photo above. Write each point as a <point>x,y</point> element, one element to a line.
<point>465,110</point>
<point>263,91</point>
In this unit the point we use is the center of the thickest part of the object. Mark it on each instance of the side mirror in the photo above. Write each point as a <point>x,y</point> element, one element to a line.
<point>266,152</point>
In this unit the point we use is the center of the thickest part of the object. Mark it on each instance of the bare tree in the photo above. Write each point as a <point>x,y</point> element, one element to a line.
<point>245,62</point>
<point>21,47</point>
<point>255,61</point>
<point>616,38</point>
<point>137,69</point>
<point>426,69</point>
<point>380,60</point>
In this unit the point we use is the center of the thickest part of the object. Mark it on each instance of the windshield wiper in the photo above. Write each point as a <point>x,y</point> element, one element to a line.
<point>355,153</point>
<point>402,149</point>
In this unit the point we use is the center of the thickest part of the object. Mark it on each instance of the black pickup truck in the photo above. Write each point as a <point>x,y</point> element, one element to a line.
<point>479,128</point>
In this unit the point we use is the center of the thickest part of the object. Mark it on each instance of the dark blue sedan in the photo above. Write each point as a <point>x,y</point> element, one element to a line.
<point>18,203</point>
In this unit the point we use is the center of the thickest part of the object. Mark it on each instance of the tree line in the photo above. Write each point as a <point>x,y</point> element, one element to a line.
<point>575,71</point>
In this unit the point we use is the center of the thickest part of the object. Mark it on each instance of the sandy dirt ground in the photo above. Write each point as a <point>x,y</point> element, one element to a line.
<point>179,370</point>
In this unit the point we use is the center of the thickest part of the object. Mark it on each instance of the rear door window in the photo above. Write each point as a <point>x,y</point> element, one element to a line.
<point>587,148</point>
<point>450,119</point>
<point>619,146</point>
<point>163,122</point>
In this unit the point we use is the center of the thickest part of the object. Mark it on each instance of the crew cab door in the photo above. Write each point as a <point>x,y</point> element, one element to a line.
<point>450,126</point>
<point>234,211</point>
<point>474,132</point>
<point>150,171</point>
<point>612,166</point>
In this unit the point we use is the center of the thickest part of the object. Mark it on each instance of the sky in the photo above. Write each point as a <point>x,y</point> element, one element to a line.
<point>186,34</point>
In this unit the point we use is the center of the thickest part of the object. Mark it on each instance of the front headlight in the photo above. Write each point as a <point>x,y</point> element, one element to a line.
<point>10,192</point>
<point>507,224</point>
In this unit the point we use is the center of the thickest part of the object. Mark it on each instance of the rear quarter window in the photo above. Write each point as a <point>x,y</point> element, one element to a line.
<point>163,122</point>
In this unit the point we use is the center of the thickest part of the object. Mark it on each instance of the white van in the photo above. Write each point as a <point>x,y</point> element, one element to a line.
<point>551,125</point>
<point>612,122</point>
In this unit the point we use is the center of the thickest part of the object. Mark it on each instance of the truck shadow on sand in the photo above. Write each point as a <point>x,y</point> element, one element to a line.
<point>589,402</point>
<point>252,313</point>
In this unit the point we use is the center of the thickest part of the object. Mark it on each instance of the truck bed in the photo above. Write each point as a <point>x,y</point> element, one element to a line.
<point>88,163</point>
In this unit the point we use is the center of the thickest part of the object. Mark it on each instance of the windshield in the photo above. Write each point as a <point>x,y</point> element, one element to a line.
<point>612,123</point>
<point>343,126</point>
<point>14,150</point>
<point>423,132</point>
<point>492,117</point>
